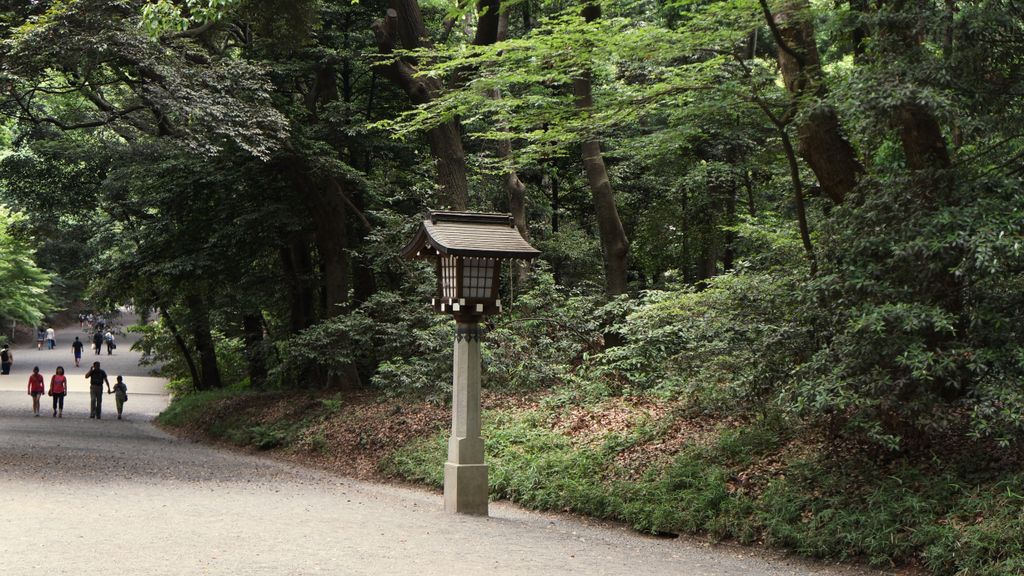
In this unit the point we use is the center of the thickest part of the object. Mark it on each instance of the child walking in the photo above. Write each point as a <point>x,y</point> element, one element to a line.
<point>36,387</point>
<point>58,389</point>
<point>120,395</point>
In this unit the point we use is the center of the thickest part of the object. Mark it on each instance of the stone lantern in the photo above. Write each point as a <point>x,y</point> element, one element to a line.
<point>468,249</point>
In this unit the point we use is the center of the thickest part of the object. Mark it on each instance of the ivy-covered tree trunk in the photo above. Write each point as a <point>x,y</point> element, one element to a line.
<point>614,244</point>
<point>402,28</point>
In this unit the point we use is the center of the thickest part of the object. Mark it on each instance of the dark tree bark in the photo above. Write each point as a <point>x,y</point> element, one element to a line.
<point>297,270</point>
<point>330,219</point>
<point>255,354</point>
<point>402,27</point>
<point>199,321</point>
<point>821,143</point>
<point>923,143</point>
<point>614,244</point>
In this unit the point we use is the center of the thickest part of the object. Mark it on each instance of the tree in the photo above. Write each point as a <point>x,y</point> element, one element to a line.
<point>23,286</point>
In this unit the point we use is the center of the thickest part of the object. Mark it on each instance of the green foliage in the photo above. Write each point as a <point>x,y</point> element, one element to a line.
<point>421,460</point>
<point>542,337</point>
<point>159,348</point>
<point>23,286</point>
<point>816,507</point>
<point>400,343</point>
<point>185,410</point>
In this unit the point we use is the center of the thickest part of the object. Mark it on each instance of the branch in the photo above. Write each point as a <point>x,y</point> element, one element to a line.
<point>348,202</point>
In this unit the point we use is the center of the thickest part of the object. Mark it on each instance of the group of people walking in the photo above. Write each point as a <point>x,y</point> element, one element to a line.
<point>46,336</point>
<point>59,390</point>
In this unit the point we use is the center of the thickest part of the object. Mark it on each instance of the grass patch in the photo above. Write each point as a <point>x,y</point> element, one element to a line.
<point>187,409</point>
<point>751,482</point>
<point>853,509</point>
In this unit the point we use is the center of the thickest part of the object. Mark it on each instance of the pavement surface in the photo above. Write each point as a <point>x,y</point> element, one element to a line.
<point>96,497</point>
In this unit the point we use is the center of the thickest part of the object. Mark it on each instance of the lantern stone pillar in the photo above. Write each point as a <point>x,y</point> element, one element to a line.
<point>467,249</point>
<point>465,474</point>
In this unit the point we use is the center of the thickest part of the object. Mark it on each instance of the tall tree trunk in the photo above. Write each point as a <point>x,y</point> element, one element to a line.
<point>186,352</point>
<point>255,353</point>
<point>821,142</point>
<point>729,247</point>
<point>297,271</point>
<point>402,28</point>
<point>614,244</point>
<point>199,321</point>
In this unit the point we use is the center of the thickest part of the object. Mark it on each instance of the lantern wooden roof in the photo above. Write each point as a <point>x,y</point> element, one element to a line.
<point>469,234</point>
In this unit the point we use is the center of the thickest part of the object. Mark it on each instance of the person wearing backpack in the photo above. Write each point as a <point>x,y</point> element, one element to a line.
<point>109,339</point>
<point>6,359</point>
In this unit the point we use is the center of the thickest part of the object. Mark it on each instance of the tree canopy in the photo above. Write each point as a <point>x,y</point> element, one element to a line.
<point>814,207</point>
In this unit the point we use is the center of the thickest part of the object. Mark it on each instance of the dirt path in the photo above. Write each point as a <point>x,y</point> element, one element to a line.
<point>86,498</point>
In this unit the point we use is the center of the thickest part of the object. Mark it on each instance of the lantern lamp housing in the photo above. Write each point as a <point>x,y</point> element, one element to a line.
<point>468,249</point>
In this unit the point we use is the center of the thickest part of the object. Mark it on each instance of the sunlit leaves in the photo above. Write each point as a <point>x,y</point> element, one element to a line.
<point>23,286</point>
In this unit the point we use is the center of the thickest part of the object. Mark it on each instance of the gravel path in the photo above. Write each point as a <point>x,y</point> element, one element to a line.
<point>86,498</point>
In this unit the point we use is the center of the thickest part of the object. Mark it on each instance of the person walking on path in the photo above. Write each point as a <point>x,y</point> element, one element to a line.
<point>77,347</point>
<point>58,389</point>
<point>40,338</point>
<point>6,359</point>
<point>51,338</point>
<point>120,395</point>
<point>109,339</point>
<point>97,378</point>
<point>97,341</point>
<point>36,387</point>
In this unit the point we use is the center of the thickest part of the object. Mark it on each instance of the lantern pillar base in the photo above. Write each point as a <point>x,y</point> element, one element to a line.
<point>465,489</point>
<point>465,474</point>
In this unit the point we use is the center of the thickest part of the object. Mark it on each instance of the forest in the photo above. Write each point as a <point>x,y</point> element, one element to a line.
<point>780,297</point>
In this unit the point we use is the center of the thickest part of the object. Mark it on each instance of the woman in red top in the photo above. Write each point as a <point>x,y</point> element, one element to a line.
<point>36,389</point>
<point>58,389</point>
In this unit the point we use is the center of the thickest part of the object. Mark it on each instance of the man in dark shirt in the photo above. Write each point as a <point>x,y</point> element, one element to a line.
<point>77,346</point>
<point>97,377</point>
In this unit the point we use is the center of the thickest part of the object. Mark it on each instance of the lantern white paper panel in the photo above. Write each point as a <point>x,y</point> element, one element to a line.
<point>477,277</point>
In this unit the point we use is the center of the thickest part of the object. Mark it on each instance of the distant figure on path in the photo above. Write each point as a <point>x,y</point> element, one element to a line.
<point>97,377</point>
<point>120,395</point>
<point>6,359</point>
<point>40,338</point>
<point>109,339</point>
<point>77,347</point>
<point>36,387</point>
<point>58,389</point>
<point>51,338</point>
<point>97,341</point>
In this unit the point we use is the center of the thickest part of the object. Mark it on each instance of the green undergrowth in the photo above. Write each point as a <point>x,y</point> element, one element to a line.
<point>807,503</point>
<point>753,483</point>
<point>208,412</point>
